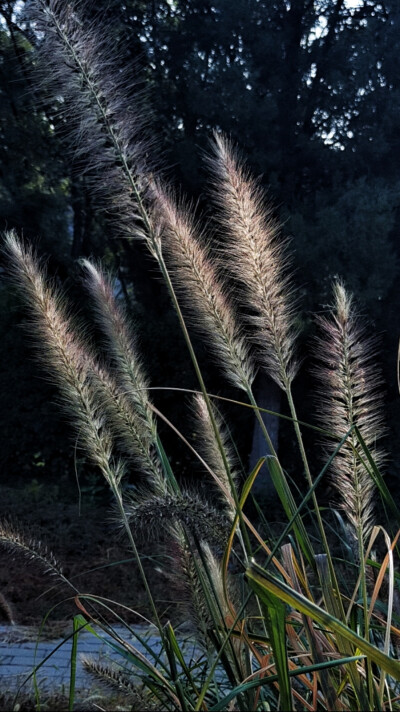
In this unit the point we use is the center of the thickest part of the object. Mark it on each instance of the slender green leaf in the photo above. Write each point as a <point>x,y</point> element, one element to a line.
<point>333,607</point>
<point>285,495</point>
<point>378,479</point>
<point>275,618</point>
<point>77,626</point>
<point>261,682</point>
<point>265,584</point>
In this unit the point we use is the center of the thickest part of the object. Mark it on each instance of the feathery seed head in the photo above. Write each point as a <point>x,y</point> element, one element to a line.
<point>125,396</point>
<point>5,606</point>
<point>350,394</point>
<point>65,354</point>
<point>256,255</point>
<point>121,344</point>
<point>106,120</point>
<point>184,509</point>
<point>208,444</point>
<point>17,541</point>
<point>188,565</point>
<point>110,676</point>
<point>203,288</point>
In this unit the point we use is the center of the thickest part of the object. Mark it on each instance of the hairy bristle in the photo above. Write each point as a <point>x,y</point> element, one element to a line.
<point>110,676</point>
<point>127,427</point>
<point>121,344</point>
<point>350,394</point>
<point>6,607</point>
<point>126,395</point>
<point>257,256</point>
<point>198,612</point>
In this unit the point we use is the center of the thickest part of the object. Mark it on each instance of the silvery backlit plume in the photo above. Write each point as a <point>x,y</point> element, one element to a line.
<point>110,139</point>
<point>256,255</point>
<point>350,394</point>
<point>72,364</point>
<point>104,124</point>
<point>202,288</point>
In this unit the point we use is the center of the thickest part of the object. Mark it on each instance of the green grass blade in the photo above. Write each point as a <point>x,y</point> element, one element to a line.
<point>264,584</point>
<point>222,704</point>
<point>166,465</point>
<point>130,654</point>
<point>174,654</point>
<point>275,618</point>
<point>108,629</point>
<point>378,479</point>
<point>333,608</point>
<point>174,645</point>
<point>77,626</point>
<point>305,499</point>
<point>285,495</point>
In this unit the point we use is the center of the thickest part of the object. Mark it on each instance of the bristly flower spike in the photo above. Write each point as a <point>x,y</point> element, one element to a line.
<point>129,404</point>
<point>120,342</point>
<point>109,137</point>
<point>212,453</point>
<point>195,275</point>
<point>257,257</point>
<point>350,394</point>
<point>66,355</point>
<point>72,365</point>
<point>106,126</point>
<point>15,539</point>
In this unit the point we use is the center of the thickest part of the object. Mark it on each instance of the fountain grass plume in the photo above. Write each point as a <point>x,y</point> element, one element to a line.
<point>211,451</point>
<point>195,276</point>
<point>15,539</point>
<point>71,363</point>
<point>128,403</point>
<point>127,426</point>
<point>110,676</point>
<point>104,110</point>
<point>109,136</point>
<point>121,345</point>
<point>350,394</point>
<point>255,253</point>
<point>65,355</point>
<point>194,513</point>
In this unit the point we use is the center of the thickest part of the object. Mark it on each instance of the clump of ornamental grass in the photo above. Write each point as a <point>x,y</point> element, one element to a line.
<point>279,633</point>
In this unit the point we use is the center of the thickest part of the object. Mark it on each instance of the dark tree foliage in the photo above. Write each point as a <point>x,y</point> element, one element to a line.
<point>33,188</point>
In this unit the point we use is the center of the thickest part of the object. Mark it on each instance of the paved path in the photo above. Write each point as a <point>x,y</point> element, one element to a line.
<point>19,652</point>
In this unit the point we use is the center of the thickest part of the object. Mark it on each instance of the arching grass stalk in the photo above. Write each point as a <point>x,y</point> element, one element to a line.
<point>118,498</point>
<point>263,427</point>
<point>69,359</point>
<point>199,375</point>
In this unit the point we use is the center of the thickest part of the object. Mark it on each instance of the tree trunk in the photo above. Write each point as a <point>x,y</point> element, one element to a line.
<point>268,395</point>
